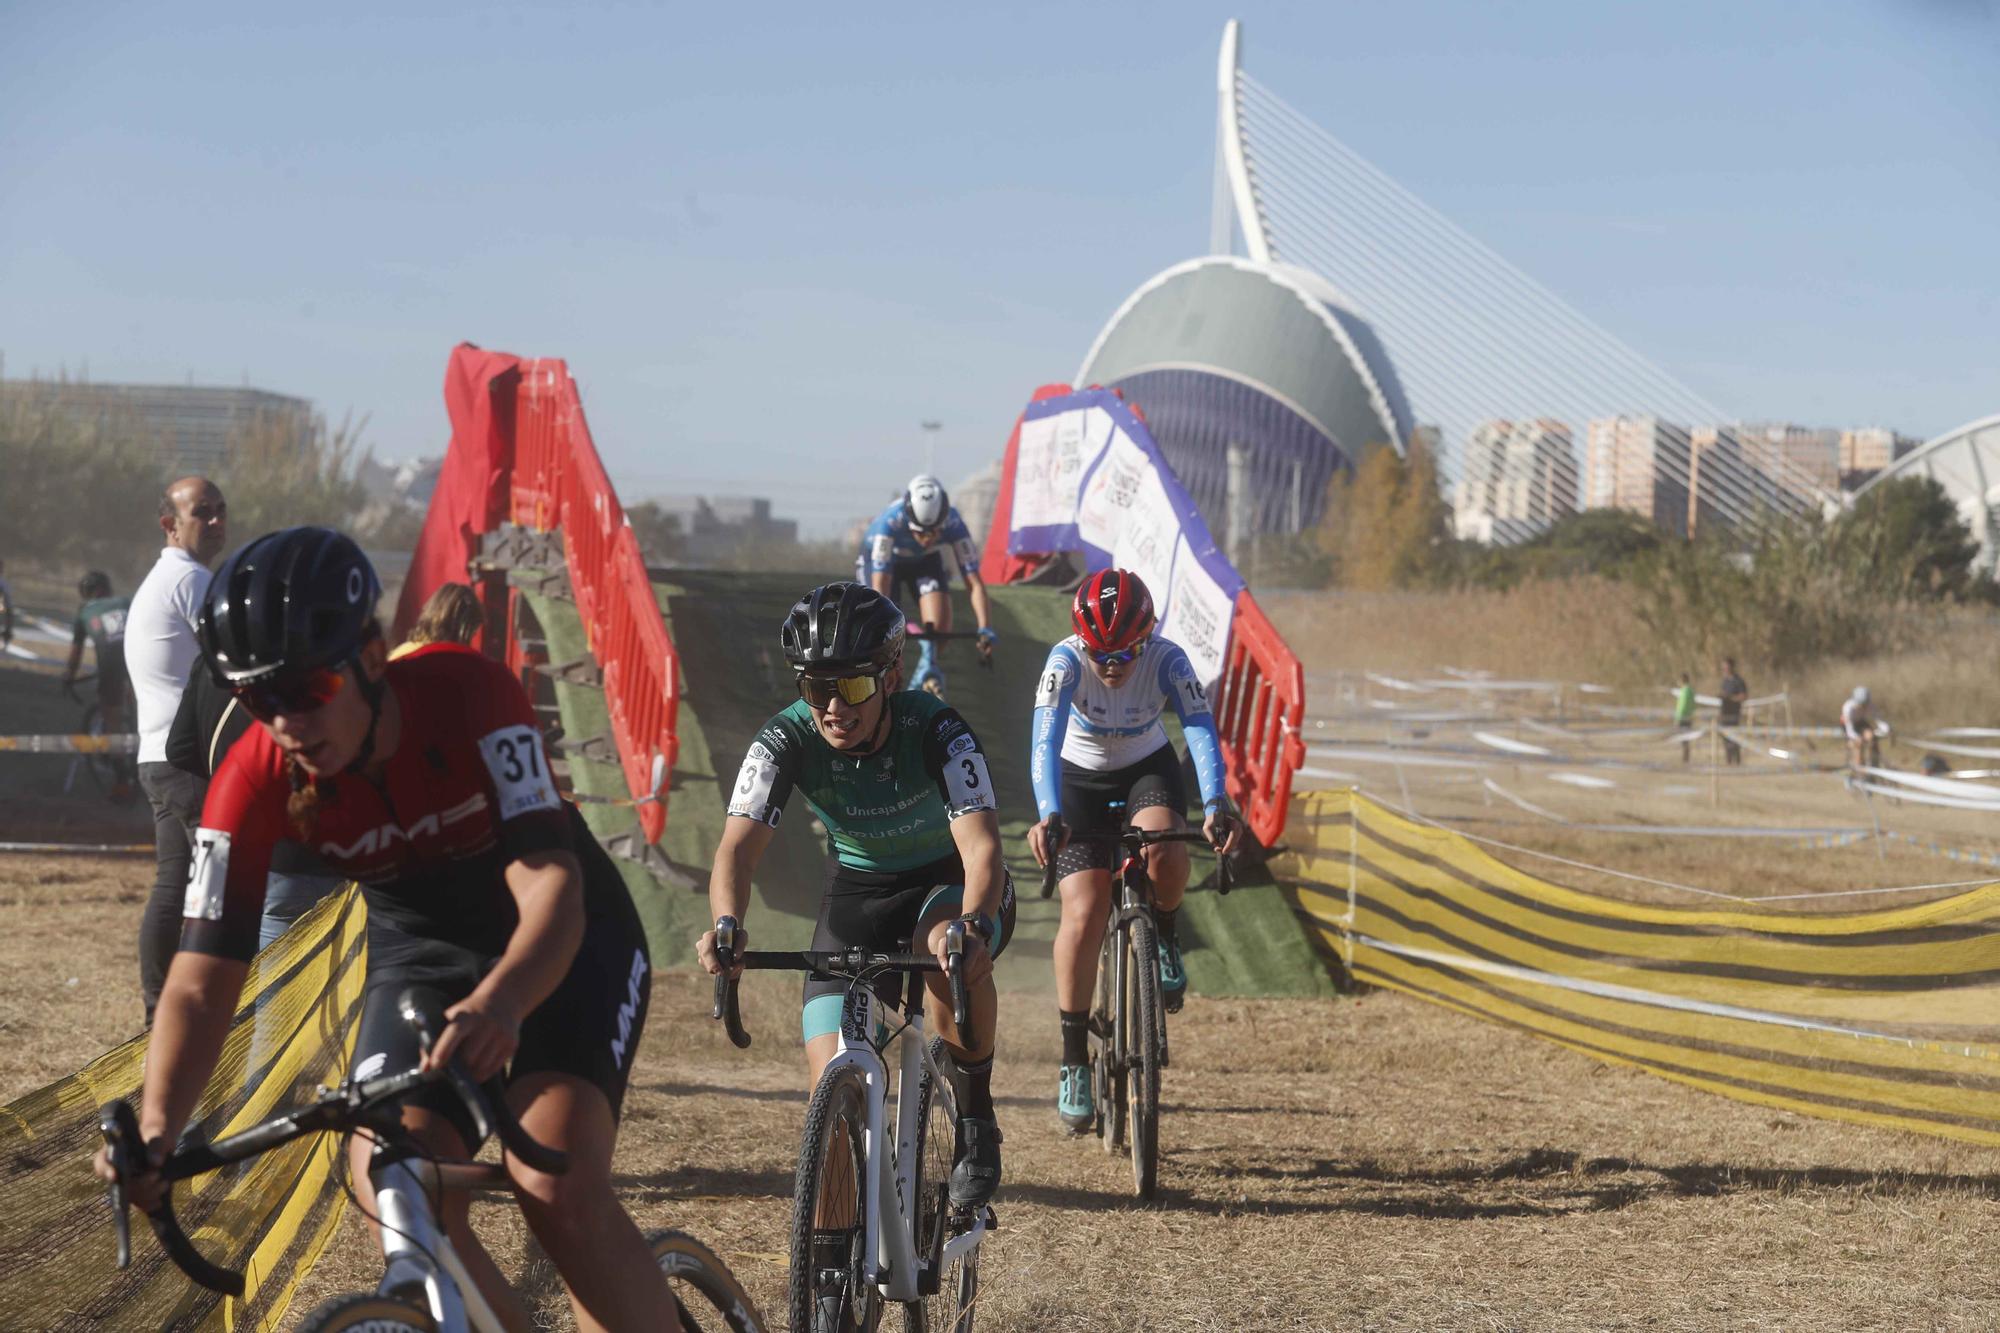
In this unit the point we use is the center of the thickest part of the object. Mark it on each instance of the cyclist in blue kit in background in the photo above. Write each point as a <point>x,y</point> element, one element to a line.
<point>901,553</point>
<point>1101,759</point>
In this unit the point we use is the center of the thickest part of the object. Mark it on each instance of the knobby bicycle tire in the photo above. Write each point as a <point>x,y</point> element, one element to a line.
<point>839,1103</point>
<point>948,1309</point>
<point>1145,1017</point>
<point>366,1312</point>
<point>1107,1066</point>
<point>698,1277</point>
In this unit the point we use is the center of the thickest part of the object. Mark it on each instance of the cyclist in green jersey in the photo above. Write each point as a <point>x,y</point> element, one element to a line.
<point>101,621</point>
<point>900,782</point>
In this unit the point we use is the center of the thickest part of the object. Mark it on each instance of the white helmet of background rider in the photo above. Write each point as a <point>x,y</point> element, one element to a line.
<point>925,503</point>
<point>1861,695</point>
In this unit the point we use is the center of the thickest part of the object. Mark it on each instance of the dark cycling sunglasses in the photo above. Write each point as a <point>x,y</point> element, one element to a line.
<point>292,694</point>
<point>820,691</point>
<point>1132,654</point>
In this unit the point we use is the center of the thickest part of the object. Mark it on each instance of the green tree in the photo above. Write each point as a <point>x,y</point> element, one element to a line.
<point>1906,538</point>
<point>1386,524</point>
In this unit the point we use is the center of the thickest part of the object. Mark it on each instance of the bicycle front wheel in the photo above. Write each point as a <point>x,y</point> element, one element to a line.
<point>702,1284</point>
<point>950,1289</point>
<point>1146,1025</point>
<point>1107,1072</point>
<point>367,1312</point>
<point>830,1292</point>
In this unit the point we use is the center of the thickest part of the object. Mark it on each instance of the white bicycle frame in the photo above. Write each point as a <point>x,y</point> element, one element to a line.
<point>894,1272</point>
<point>418,1254</point>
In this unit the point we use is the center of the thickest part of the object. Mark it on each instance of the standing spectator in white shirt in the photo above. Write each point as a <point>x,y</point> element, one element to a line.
<point>160,650</point>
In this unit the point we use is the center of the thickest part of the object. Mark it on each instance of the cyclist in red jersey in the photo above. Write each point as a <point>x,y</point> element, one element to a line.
<point>426,780</point>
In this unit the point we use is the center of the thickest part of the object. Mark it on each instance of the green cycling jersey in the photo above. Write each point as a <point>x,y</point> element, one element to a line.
<point>886,811</point>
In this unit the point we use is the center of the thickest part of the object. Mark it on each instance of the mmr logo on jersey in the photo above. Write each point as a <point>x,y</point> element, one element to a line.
<point>385,836</point>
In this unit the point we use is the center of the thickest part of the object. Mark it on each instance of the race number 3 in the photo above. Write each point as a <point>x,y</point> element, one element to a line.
<point>967,784</point>
<point>520,774</point>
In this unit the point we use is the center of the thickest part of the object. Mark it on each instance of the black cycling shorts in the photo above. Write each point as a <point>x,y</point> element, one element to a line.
<point>1104,802</point>
<point>911,578</point>
<point>588,1027</point>
<point>879,911</point>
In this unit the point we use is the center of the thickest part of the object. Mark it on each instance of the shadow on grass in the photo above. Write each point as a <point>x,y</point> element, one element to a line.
<point>1576,1184</point>
<point>684,1182</point>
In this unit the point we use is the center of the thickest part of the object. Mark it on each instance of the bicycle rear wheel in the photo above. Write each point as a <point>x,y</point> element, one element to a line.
<point>366,1312</point>
<point>829,1290</point>
<point>1145,1018</point>
<point>946,1305</point>
<point>1107,1072</point>
<point>702,1284</point>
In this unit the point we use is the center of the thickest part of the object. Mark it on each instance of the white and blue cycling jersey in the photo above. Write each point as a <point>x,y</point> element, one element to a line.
<point>1103,728</point>
<point>890,542</point>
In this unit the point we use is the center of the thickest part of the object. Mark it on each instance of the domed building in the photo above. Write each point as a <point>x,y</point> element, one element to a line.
<point>1966,462</point>
<point>1226,350</point>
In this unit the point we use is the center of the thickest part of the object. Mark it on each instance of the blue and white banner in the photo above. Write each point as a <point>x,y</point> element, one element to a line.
<point>1089,478</point>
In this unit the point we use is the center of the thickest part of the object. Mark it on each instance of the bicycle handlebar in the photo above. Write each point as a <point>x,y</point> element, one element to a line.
<point>1135,840</point>
<point>346,1107</point>
<point>831,964</point>
<point>940,635</point>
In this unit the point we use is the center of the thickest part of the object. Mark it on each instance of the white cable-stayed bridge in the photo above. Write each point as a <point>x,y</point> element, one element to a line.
<point>1533,410</point>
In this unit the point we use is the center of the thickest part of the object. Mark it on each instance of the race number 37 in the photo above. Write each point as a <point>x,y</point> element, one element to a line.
<point>520,774</point>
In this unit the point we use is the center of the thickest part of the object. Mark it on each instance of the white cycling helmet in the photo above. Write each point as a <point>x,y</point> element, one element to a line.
<point>1861,694</point>
<point>925,502</point>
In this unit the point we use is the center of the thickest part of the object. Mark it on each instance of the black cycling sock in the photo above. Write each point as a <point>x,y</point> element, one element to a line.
<point>1075,1036</point>
<point>1169,924</point>
<point>975,1089</point>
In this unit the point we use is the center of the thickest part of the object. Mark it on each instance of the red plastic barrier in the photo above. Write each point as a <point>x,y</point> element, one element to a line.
<point>559,481</point>
<point>523,449</point>
<point>1260,704</point>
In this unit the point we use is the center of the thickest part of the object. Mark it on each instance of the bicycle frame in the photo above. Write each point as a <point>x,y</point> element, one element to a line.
<point>416,1252</point>
<point>896,1271</point>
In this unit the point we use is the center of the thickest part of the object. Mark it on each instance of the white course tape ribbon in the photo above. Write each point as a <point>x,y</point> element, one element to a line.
<point>1965,791</point>
<point>76,744</point>
<point>1511,746</point>
<point>1916,797</point>
<point>1630,994</point>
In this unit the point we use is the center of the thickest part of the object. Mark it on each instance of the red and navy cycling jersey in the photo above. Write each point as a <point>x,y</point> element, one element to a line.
<point>466,791</point>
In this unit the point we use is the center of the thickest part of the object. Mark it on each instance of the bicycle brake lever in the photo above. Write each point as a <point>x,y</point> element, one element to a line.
<point>120,1128</point>
<point>954,970</point>
<point>727,1006</point>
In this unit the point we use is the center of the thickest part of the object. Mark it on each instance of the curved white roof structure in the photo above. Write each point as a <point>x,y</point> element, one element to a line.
<point>1223,351</point>
<point>1966,462</point>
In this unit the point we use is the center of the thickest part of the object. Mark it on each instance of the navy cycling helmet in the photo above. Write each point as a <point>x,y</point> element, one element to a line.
<point>288,603</point>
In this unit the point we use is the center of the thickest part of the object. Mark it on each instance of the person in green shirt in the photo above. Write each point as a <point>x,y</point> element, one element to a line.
<point>899,781</point>
<point>1684,713</point>
<point>100,621</point>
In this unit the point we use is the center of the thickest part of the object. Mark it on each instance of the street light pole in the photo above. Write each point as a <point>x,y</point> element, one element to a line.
<point>930,429</point>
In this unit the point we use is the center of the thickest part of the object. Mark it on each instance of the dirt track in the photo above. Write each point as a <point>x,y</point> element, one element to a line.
<point>1374,1163</point>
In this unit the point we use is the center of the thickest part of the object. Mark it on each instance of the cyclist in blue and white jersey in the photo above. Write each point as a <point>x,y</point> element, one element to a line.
<point>1100,760</point>
<point>901,553</point>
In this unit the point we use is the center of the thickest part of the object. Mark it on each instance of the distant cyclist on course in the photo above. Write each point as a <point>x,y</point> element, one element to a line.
<point>1098,742</point>
<point>900,555</point>
<point>100,621</point>
<point>900,782</point>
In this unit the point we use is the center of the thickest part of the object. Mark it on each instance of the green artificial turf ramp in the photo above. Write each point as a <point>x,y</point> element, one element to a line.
<point>725,627</point>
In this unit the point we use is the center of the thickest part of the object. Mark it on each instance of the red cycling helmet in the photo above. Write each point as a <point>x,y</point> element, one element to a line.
<point>1112,611</point>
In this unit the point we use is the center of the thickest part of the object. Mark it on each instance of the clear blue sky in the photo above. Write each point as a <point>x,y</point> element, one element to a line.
<point>771,239</point>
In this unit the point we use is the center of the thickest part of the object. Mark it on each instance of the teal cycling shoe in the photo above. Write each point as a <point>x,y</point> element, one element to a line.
<point>1073,1099</point>
<point>1173,977</point>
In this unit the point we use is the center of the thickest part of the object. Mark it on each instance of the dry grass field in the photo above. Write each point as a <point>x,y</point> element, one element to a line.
<point>1368,1163</point>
